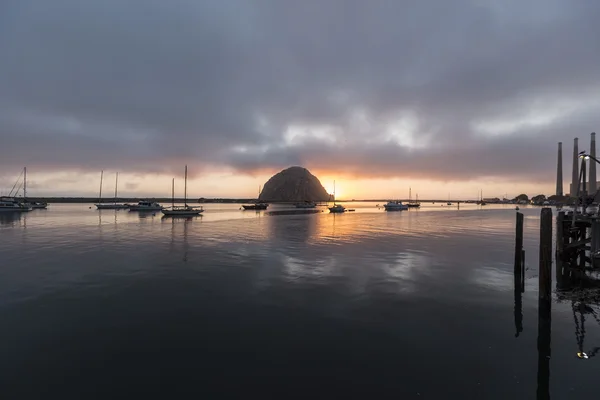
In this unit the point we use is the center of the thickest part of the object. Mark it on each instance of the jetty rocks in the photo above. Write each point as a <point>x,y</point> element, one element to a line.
<point>294,184</point>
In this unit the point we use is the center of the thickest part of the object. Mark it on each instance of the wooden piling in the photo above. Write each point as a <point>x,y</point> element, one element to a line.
<point>518,244</point>
<point>522,271</point>
<point>545,269</point>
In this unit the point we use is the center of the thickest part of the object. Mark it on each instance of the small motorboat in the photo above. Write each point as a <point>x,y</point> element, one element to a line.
<point>146,206</point>
<point>395,206</point>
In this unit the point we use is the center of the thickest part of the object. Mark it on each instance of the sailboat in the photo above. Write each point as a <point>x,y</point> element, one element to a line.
<point>183,211</point>
<point>256,206</point>
<point>10,204</point>
<point>412,204</point>
<point>108,206</point>
<point>481,202</point>
<point>336,208</point>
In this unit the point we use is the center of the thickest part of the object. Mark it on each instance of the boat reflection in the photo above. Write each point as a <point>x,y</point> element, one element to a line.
<point>291,228</point>
<point>184,223</point>
<point>10,218</point>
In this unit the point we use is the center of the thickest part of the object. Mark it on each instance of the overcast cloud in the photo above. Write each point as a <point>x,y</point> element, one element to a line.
<point>425,89</point>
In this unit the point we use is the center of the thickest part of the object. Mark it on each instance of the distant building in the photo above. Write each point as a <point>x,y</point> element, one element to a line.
<point>572,190</point>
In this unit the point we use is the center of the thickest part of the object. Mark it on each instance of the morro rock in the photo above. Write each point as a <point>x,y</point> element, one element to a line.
<point>294,184</point>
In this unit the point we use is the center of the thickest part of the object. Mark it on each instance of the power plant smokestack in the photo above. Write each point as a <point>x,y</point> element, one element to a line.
<point>575,176</point>
<point>559,178</point>
<point>592,190</point>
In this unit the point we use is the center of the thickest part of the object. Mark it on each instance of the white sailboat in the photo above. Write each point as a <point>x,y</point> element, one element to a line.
<point>183,211</point>
<point>34,205</point>
<point>109,206</point>
<point>336,208</point>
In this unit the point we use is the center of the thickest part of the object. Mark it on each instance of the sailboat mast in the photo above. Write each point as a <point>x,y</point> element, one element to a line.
<point>185,188</point>
<point>116,185</point>
<point>173,193</point>
<point>409,194</point>
<point>100,195</point>
<point>25,183</point>
<point>334,193</point>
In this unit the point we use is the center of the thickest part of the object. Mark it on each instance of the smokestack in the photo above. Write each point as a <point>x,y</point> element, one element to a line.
<point>559,178</point>
<point>592,190</point>
<point>575,176</point>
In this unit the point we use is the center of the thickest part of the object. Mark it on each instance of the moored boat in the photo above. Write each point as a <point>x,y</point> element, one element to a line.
<point>412,204</point>
<point>306,204</point>
<point>10,204</point>
<point>336,208</point>
<point>259,205</point>
<point>255,206</point>
<point>146,206</point>
<point>181,211</point>
<point>395,205</point>
<point>110,206</point>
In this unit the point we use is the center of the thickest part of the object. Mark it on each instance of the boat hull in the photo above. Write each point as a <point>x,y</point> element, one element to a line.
<point>395,208</point>
<point>15,209</point>
<point>181,213</point>
<point>308,205</point>
<point>255,207</point>
<point>136,208</point>
<point>112,206</point>
<point>413,205</point>
<point>337,209</point>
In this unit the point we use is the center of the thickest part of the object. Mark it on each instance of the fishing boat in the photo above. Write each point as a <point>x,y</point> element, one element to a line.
<point>336,208</point>
<point>306,204</point>
<point>412,204</point>
<point>146,205</point>
<point>181,211</point>
<point>256,206</point>
<point>395,205</point>
<point>109,206</point>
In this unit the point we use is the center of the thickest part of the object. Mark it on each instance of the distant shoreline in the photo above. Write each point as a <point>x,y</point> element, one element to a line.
<point>55,199</point>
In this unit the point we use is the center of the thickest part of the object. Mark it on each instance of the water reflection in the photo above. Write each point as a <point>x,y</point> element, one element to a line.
<point>291,228</point>
<point>108,214</point>
<point>184,222</point>
<point>10,218</point>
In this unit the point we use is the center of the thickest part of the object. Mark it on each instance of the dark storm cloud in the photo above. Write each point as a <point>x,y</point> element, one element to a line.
<point>147,85</point>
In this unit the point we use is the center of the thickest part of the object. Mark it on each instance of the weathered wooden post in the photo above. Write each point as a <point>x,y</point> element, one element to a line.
<point>518,244</point>
<point>545,270</point>
<point>522,271</point>
<point>560,241</point>
<point>544,304</point>
<point>518,274</point>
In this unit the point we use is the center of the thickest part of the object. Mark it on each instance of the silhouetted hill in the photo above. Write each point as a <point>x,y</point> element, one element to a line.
<point>293,184</point>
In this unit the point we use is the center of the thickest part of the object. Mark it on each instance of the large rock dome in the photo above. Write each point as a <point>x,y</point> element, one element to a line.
<point>293,184</point>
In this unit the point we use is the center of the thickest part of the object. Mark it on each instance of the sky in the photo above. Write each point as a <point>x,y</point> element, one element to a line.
<point>446,97</point>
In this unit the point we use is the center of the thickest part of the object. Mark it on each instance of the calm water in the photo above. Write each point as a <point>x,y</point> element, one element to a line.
<point>415,304</point>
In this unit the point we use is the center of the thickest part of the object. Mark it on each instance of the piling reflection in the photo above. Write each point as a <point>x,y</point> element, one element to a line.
<point>543,345</point>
